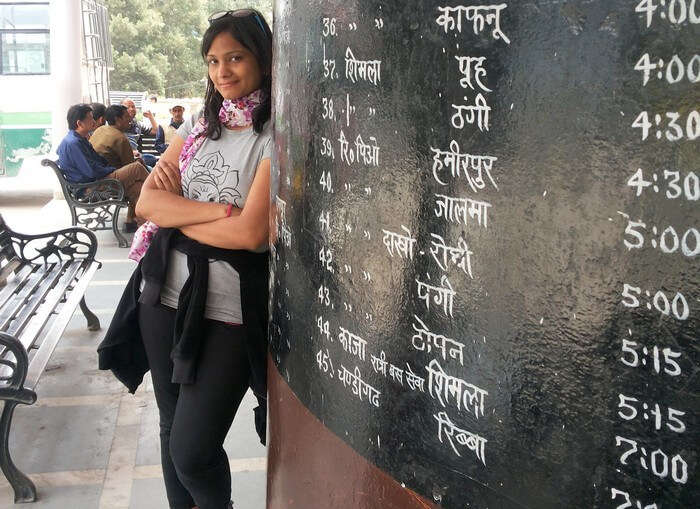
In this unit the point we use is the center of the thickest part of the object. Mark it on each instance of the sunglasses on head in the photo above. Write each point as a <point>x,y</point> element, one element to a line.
<point>239,13</point>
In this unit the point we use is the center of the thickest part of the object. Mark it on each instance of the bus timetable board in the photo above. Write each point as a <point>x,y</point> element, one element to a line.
<point>485,273</point>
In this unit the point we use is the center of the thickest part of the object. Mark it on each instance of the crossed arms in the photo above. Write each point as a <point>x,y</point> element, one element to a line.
<point>162,203</point>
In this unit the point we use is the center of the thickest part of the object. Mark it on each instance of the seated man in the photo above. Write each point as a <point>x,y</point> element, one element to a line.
<point>177,113</point>
<point>80,163</point>
<point>159,143</point>
<point>110,141</point>
<point>98,113</point>
<point>164,137</point>
<point>138,129</point>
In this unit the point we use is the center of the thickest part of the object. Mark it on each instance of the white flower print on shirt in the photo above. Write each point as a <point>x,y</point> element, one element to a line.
<point>210,179</point>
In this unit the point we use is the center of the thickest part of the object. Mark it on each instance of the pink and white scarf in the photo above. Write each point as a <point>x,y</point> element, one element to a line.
<point>233,113</point>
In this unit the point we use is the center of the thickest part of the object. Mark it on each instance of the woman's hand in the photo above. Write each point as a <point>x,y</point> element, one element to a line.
<point>161,199</point>
<point>166,176</point>
<point>246,228</point>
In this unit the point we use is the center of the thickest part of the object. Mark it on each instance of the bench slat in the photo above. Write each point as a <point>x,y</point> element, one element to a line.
<point>40,321</point>
<point>8,269</point>
<point>41,296</point>
<point>42,318</point>
<point>12,284</point>
<point>22,290</point>
<point>39,361</point>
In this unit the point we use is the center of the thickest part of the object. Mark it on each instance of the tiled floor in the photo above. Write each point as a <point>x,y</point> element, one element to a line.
<point>87,443</point>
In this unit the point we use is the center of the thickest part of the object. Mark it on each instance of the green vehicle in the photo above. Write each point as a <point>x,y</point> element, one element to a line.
<point>22,135</point>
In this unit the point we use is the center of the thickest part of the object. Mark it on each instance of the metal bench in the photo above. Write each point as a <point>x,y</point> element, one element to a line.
<point>43,278</point>
<point>94,205</point>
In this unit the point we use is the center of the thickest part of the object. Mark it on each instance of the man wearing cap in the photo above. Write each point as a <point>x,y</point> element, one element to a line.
<point>166,135</point>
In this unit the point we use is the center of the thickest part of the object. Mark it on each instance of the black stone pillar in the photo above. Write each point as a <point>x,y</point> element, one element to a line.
<point>485,274</point>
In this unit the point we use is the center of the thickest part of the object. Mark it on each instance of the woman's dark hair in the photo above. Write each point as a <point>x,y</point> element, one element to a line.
<point>253,32</point>
<point>77,112</point>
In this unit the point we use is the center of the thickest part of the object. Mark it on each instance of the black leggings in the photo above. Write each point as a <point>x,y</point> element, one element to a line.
<point>194,419</point>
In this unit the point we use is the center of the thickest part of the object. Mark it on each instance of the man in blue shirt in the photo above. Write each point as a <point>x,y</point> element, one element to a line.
<point>80,163</point>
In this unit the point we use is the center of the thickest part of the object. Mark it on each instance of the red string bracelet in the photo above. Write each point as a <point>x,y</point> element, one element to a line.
<point>229,208</point>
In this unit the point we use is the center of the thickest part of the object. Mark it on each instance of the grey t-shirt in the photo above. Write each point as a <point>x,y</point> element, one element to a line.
<point>221,171</point>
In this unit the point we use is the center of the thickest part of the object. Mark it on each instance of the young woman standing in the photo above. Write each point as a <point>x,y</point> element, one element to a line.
<point>209,194</point>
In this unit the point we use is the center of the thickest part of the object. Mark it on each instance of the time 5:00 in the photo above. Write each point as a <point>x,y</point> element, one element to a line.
<point>678,307</point>
<point>668,242</point>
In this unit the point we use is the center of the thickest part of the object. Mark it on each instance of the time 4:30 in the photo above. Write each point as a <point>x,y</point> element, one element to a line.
<point>672,130</point>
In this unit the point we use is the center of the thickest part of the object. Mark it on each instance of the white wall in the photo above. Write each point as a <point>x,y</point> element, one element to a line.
<point>26,93</point>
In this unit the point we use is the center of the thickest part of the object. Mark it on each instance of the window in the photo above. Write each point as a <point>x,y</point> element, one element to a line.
<point>24,38</point>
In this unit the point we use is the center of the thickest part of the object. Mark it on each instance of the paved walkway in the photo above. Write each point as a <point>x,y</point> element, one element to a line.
<point>87,443</point>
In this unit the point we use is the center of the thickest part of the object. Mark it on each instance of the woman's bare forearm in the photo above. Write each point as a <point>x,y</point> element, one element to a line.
<point>170,210</point>
<point>249,229</point>
<point>165,206</point>
<point>235,232</point>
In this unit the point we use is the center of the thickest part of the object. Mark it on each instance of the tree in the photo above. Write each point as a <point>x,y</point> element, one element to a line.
<point>138,65</point>
<point>156,43</point>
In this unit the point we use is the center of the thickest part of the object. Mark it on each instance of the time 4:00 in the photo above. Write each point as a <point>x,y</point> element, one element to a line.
<point>675,70</point>
<point>676,11</point>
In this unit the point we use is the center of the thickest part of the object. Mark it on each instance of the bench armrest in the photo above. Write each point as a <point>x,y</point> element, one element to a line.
<point>99,192</point>
<point>74,243</point>
<point>14,373</point>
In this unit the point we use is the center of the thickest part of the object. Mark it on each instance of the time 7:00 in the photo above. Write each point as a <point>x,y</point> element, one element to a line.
<point>658,461</point>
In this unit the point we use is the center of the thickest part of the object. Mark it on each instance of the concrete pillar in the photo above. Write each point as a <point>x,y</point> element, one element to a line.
<point>66,37</point>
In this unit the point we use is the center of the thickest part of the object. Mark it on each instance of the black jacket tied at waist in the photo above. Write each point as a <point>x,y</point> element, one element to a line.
<point>122,349</point>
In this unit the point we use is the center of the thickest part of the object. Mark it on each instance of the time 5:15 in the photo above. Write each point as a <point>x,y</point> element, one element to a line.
<point>627,410</point>
<point>662,360</point>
